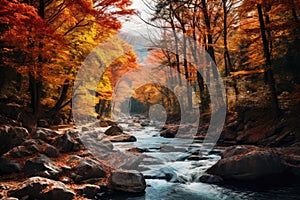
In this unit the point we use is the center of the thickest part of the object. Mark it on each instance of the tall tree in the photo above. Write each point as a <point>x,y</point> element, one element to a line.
<point>268,65</point>
<point>47,33</point>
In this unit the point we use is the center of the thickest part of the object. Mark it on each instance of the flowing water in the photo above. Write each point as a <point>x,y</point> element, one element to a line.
<point>170,176</point>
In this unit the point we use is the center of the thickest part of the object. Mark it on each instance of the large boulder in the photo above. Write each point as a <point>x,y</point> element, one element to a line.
<point>42,188</point>
<point>114,130</point>
<point>44,134</point>
<point>11,137</point>
<point>42,166</point>
<point>252,165</point>
<point>291,159</point>
<point>169,131</point>
<point>238,150</point>
<point>20,152</point>
<point>96,140</point>
<point>88,169</point>
<point>31,147</point>
<point>67,142</point>
<point>8,166</point>
<point>128,181</point>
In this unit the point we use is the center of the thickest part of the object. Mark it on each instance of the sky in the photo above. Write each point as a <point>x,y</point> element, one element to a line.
<point>135,31</point>
<point>136,25</point>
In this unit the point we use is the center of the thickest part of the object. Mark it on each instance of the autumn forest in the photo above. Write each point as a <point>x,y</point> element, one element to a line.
<point>206,94</point>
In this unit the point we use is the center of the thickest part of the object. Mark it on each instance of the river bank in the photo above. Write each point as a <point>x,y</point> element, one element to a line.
<point>94,161</point>
<point>46,164</point>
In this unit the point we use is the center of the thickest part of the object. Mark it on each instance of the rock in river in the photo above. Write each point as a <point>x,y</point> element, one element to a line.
<point>252,165</point>
<point>122,138</point>
<point>128,181</point>
<point>114,130</point>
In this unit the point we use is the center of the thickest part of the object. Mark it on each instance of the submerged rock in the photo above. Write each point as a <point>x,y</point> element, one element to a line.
<point>211,179</point>
<point>122,138</point>
<point>128,181</point>
<point>167,173</point>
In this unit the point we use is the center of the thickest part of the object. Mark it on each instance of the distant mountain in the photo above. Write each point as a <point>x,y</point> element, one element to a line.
<point>140,43</point>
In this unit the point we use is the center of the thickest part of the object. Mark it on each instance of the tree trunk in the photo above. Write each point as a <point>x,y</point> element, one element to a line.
<point>186,68</point>
<point>62,97</point>
<point>35,85</point>
<point>210,48</point>
<point>294,13</point>
<point>35,93</point>
<point>176,51</point>
<point>268,65</point>
<point>227,60</point>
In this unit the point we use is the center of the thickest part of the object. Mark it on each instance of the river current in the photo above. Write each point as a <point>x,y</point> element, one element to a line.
<point>169,176</point>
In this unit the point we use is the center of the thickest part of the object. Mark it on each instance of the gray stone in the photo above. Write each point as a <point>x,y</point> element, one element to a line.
<point>84,129</point>
<point>44,134</point>
<point>96,140</point>
<point>87,169</point>
<point>38,145</point>
<point>41,166</point>
<point>67,142</point>
<point>128,181</point>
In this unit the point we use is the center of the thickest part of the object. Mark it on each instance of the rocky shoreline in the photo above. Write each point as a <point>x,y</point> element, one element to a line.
<point>246,163</point>
<point>51,165</point>
<point>82,163</point>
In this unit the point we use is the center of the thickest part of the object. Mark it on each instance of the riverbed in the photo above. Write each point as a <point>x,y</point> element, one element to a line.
<point>169,175</point>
